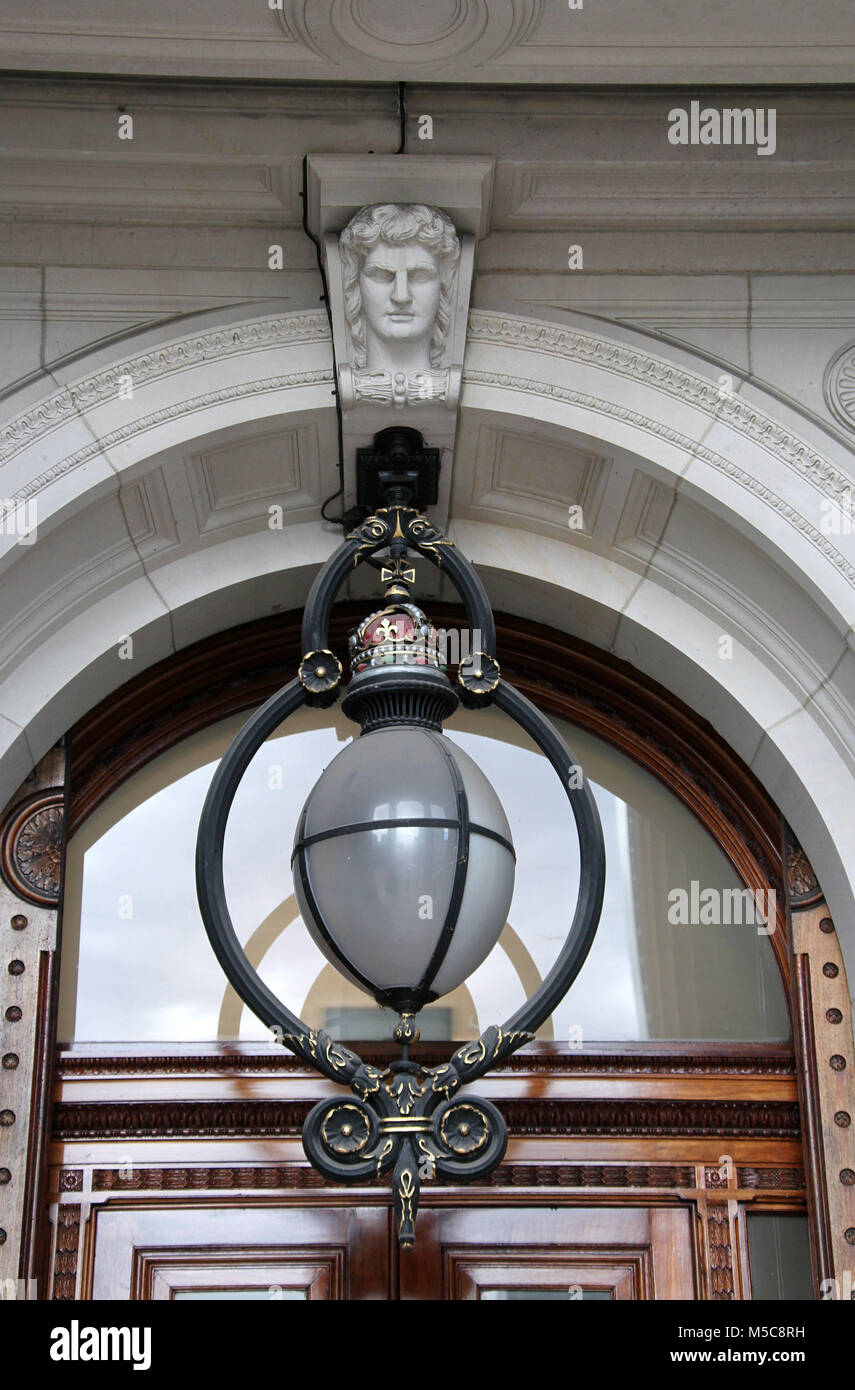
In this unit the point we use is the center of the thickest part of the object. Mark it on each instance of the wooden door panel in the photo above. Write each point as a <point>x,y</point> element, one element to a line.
<point>573,1275</point>
<point>163,1251</point>
<point>204,1275</point>
<point>623,1252</point>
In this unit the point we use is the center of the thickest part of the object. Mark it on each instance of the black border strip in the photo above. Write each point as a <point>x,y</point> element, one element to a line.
<point>460,868</point>
<point>318,920</point>
<point>406,823</point>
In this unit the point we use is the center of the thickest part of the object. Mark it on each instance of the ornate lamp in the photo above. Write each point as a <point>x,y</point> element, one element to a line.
<point>403,862</point>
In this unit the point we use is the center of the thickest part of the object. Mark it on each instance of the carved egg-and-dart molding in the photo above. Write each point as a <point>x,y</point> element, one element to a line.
<point>31,848</point>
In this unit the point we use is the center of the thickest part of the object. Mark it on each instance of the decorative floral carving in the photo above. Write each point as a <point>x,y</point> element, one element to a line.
<point>479,676</point>
<point>838,386</point>
<point>31,848</point>
<point>67,1249</point>
<point>720,1253</point>
<point>401,388</point>
<point>472,31</point>
<point>346,1129</point>
<point>801,879</point>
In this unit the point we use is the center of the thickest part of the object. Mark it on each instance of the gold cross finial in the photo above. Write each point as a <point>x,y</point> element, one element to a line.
<point>398,575</point>
<point>399,569</point>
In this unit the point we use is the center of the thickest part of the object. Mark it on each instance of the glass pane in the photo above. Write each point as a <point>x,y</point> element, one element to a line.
<point>779,1249</point>
<point>584,1295</point>
<point>253,1294</point>
<point>137,965</point>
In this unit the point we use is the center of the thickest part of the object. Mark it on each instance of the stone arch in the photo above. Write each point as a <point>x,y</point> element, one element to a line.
<point>143,529</point>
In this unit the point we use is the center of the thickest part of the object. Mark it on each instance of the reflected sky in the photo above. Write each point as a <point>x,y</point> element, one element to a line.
<point>137,965</point>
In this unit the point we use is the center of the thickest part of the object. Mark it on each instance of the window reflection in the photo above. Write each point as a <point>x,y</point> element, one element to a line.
<point>137,965</point>
<point>542,1295</point>
<point>779,1247</point>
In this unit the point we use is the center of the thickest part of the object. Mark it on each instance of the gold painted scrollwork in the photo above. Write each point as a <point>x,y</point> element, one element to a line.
<point>371,533</point>
<point>406,1195</point>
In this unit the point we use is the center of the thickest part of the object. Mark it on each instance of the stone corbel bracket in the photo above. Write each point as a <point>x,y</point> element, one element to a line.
<point>337,187</point>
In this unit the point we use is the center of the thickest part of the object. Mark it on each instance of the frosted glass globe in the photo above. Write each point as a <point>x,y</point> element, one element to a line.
<point>375,864</point>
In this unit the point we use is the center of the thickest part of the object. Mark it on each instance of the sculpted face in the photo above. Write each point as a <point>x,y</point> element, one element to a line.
<point>400,287</point>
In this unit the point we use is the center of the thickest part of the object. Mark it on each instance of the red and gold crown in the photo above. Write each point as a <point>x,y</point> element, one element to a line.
<point>399,635</point>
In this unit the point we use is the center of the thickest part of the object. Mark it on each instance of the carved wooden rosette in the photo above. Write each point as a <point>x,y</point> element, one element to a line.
<point>31,841</point>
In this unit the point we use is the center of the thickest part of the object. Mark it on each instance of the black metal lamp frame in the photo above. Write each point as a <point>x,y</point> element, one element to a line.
<point>405,1118</point>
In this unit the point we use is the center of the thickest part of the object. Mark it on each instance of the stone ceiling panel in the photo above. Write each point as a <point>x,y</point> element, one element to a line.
<point>509,477</point>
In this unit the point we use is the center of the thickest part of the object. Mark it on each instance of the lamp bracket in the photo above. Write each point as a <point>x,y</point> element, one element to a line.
<point>397,469</point>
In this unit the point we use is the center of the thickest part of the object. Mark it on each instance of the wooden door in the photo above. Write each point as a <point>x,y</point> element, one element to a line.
<point>551,1253</point>
<point>168,1250</point>
<point>162,1250</point>
<point>628,1176</point>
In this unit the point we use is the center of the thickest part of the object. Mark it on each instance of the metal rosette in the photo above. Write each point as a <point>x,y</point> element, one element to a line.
<point>478,677</point>
<point>320,676</point>
<point>469,1138</point>
<point>342,1140</point>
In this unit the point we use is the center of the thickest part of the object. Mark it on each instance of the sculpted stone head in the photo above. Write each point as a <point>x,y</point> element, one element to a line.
<point>399,262</point>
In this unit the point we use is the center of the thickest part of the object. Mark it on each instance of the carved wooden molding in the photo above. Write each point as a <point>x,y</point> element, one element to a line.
<point>802,884</point>
<point>165,1119</point>
<point>67,1250</point>
<point>656,1059</point>
<point>629,1177</point>
<point>720,1252</point>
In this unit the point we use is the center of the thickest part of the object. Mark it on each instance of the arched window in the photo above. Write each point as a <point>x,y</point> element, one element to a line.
<point>682,951</point>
